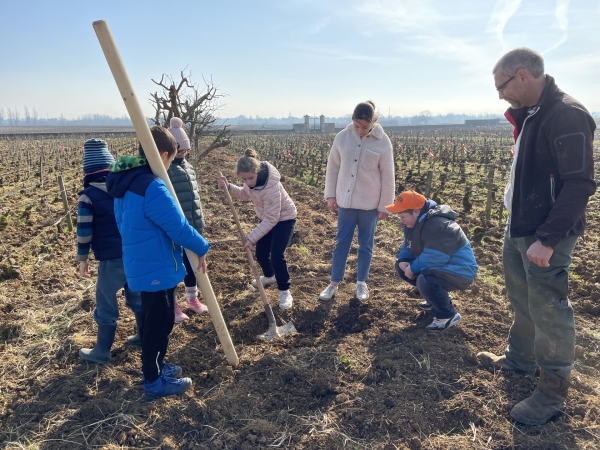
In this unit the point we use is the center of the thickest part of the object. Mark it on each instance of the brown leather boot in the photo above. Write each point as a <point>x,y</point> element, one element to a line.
<point>491,361</point>
<point>548,400</point>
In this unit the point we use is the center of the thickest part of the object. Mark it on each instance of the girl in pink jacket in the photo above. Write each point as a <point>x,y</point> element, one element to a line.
<point>277,213</point>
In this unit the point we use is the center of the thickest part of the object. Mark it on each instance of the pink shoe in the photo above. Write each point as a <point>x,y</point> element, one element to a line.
<point>179,315</point>
<point>195,305</point>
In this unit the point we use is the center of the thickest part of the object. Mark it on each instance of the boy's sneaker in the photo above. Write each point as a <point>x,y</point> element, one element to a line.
<point>285,299</point>
<point>328,292</point>
<point>165,386</point>
<point>362,291</point>
<point>442,324</point>
<point>425,306</point>
<point>171,371</point>
<point>195,305</point>
<point>266,281</point>
<point>180,316</point>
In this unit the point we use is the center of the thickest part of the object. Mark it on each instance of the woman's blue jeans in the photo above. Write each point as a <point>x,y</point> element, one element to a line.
<point>348,220</point>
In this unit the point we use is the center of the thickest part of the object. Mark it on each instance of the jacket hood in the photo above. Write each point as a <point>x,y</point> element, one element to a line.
<point>97,177</point>
<point>428,206</point>
<point>376,131</point>
<point>438,211</point>
<point>273,176</point>
<point>124,172</point>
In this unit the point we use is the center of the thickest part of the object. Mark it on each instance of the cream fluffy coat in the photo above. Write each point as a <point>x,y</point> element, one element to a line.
<point>271,204</point>
<point>360,172</point>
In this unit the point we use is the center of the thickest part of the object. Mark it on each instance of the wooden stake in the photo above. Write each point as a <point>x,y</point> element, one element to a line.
<point>63,195</point>
<point>142,130</point>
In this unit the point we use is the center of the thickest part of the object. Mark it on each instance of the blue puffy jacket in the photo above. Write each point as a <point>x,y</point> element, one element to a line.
<point>152,227</point>
<point>438,246</point>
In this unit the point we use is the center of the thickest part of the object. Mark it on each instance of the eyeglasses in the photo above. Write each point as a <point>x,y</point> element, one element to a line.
<point>503,85</point>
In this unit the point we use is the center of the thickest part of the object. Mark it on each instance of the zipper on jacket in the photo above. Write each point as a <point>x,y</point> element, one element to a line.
<point>552,188</point>
<point>173,253</point>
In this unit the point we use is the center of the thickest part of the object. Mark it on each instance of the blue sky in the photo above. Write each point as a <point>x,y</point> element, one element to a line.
<point>300,56</point>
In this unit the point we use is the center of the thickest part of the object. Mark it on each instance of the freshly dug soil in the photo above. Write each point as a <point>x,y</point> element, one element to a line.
<point>356,375</point>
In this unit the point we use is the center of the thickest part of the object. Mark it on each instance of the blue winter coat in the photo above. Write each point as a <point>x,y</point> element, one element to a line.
<point>437,245</point>
<point>152,227</point>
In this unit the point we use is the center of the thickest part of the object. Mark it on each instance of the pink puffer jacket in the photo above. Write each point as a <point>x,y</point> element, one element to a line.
<point>271,204</point>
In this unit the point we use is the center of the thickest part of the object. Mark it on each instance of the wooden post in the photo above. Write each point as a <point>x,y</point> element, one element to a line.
<point>113,58</point>
<point>41,168</point>
<point>490,195</point>
<point>63,195</point>
<point>428,185</point>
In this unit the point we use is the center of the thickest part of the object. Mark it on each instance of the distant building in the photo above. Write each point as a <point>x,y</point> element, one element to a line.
<point>482,122</point>
<point>305,127</point>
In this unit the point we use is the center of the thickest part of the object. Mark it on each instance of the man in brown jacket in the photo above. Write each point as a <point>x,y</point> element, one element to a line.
<point>551,180</point>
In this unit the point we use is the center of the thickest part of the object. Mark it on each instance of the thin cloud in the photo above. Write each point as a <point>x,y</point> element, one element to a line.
<point>421,22</point>
<point>561,13</point>
<point>320,25</point>
<point>331,53</point>
<point>503,11</point>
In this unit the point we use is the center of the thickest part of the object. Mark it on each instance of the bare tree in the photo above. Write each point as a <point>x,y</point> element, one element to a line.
<point>425,116</point>
<point>1,115</point>
<point>34,116</point>
<point>196,105</point>
<point>16,116</point>
<point>10,117</point>
<point>27,116</point>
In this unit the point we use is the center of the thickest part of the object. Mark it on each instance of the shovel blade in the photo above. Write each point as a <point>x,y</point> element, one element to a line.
<point>275,331</point>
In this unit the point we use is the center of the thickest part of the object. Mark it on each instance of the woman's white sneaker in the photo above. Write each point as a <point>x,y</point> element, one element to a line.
<point>266,281</point>
<point>285,299</point>
<point>362,291</point>
<point>328,292</point>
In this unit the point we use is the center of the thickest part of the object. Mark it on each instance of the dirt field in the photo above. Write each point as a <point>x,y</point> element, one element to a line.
<point>354,376</point>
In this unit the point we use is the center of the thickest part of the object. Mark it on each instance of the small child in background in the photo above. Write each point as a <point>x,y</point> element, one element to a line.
<point>435,256</point>
<point>183,177</point>
<point>97,229</point>
<point>154,231</point>
<point>277,213</point>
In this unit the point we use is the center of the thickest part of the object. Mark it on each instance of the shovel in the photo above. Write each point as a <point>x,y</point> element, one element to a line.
<point>274,331</point>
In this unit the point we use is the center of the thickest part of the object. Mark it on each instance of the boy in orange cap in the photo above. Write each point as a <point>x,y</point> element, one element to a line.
<point>435,256</point>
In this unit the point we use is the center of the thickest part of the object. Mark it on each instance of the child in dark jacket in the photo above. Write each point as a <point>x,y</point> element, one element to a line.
<point>435,256</point>
<point>183,178</point>
<point>97,229</point>
<point>154,231</point>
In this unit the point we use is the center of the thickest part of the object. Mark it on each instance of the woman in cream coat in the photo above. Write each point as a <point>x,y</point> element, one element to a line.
<point>358,184</point>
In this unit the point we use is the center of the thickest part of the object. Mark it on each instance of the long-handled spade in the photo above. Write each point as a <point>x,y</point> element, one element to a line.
<point>134,109</point>
<point>274,331</point>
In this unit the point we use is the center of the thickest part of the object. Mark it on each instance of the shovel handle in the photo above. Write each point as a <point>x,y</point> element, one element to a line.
<point>261,288</point>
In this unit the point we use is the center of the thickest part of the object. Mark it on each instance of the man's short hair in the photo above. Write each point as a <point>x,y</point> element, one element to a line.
<point>520,58</point>
<point>165,142</point>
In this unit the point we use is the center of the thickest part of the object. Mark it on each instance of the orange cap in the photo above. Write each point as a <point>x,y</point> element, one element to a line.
<point>407,200</point>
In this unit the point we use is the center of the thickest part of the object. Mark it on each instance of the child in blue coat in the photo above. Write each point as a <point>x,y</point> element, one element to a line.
<point>154,231</point>
<point>435,256</point>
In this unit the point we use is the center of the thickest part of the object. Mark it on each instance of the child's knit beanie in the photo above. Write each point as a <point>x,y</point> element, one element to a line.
<point>96,156</point>
<point>176,129</point>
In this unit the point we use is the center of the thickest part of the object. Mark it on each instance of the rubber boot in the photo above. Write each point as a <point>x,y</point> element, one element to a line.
<point>136,339</point>
<point>548,400</point>
<point>100,354</point>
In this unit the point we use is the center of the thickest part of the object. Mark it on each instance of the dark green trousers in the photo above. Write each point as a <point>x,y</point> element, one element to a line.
<point>543,331</point>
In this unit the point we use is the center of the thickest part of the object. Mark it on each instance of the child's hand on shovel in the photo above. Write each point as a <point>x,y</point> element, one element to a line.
<point>202,264</point>
<point>223,183</point>
<point>247,245</point>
